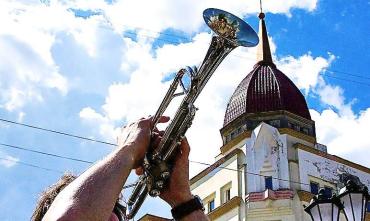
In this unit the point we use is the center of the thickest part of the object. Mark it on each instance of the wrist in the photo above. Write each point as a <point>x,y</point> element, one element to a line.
<point>182,198</point>
<point>187,208</point>
<point>127,154</point>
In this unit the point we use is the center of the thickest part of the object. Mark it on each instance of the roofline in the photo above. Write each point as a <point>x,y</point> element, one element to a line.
<point>266,113</point>
<point>151,217</point>
<point>234,202</point>
<point>215,165</point>
<point>332,157</point>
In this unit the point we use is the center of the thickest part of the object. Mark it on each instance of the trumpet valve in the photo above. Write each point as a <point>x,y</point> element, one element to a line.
<point>165,175</point>
<point>154,193</point>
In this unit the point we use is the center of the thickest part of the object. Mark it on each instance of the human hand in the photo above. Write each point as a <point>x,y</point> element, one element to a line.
<point>178,189</point>
<point>136,137</point>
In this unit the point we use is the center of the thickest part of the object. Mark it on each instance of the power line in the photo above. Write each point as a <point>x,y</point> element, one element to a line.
<point>45,153</point>
<point>56,132</point>
<point>192,161</point>
<point>250,173</point>
<point>31,165</point>
<point>348,80</point>
<point>50,170</point>
<point>189,40</point>
<point>347,73</point>
<point>107,143</point>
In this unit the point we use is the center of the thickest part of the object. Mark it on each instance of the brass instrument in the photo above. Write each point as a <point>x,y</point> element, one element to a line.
<point>231,32</point>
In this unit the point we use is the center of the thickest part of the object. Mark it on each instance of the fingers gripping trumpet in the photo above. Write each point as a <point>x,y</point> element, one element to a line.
<point>230,32</point>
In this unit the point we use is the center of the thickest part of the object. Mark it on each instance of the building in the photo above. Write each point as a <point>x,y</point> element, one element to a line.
<point>270,164</point>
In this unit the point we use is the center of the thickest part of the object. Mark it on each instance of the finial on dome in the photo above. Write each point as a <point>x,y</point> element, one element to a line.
<point>261,7</point>
<point>261,15</point>
<point>263,51</point>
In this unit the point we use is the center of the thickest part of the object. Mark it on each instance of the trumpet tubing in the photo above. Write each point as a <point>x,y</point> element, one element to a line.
<point>231,32</point>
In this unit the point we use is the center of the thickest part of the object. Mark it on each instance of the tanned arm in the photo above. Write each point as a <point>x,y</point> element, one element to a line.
<point>93,194</point>
<point>178,191</point>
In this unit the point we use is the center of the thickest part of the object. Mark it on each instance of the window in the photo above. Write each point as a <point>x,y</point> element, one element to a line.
<point>328,191</point>
<point>233,134</point>
<point>211,205</point>
<point>290,125</point>
<point>314,187</point>
<point>268,182</point>
<point>226,193</point>
<point>305,130</point>
<point>209,202</point>
<point>368,206</point>
<point>275,123</point>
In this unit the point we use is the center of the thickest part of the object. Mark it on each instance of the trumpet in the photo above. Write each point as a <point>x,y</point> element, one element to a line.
<point>231,32</point>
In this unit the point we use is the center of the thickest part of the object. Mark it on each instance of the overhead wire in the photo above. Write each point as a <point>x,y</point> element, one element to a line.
<point>245,57</point>
<point>112,144</point>
<point>47,154</point>
<point>130,185</point>
<point>348,80</point>
<point>30,165</point>
<point>347,73</point>
<point>56,132</point>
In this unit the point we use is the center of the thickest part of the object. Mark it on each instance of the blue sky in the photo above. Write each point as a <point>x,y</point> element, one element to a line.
<point>87,67</point>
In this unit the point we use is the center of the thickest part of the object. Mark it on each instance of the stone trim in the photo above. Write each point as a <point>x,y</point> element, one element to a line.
<point>297,134</point>
<point>269,194</point>
<point>150,217</point>
<point>228,146</point>
<point>214,166</point>
<point>244,116</point>
<point>247,134</point>
<point>305,196</point>
<point>332,157</point>
<point>226,207</point>
<point>367,216</point>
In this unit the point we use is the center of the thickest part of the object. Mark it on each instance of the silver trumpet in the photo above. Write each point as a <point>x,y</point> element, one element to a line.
<point>231,32</point>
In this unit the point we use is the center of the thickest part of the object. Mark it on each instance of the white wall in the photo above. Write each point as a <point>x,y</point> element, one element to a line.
<point>312,165</point>
<point>266,153</point>
<point>213,182</point>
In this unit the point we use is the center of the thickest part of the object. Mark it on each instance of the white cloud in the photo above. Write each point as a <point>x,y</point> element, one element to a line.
<point>344,135</point>
<point>7,160</point>
<point>305,70</point>
<point>105,128</point>
<point>28,34</point>
<point>27,30</point>
<point>185,15</point>
<point>333,96</point>
<point>337,126</point>
<point>33,26</point>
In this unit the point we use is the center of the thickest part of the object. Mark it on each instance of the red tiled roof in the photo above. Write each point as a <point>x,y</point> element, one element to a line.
<point>264,89</point>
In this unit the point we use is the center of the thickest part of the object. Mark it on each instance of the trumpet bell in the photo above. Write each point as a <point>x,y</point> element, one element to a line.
<point>230,27</point>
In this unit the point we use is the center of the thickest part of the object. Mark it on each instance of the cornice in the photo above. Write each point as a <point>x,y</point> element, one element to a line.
<point>214,166</point>
<point>226,207</point>
<point>332,157</point>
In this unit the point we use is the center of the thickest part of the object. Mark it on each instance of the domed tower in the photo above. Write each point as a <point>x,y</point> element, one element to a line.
<point>269,139</point>
<point>267,95</point>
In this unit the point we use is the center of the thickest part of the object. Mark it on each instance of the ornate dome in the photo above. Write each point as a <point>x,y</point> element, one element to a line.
<point>265,88</point>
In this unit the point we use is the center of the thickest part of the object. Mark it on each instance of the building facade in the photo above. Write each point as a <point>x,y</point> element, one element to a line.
<point>270,164</point>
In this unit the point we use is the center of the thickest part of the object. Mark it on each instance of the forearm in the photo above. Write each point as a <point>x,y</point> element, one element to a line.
<point>93,194</point>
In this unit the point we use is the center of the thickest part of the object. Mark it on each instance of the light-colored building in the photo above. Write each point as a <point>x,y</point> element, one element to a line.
<point>270,163</point>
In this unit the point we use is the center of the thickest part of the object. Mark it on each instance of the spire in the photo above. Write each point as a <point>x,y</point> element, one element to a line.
<point>263,48</point>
